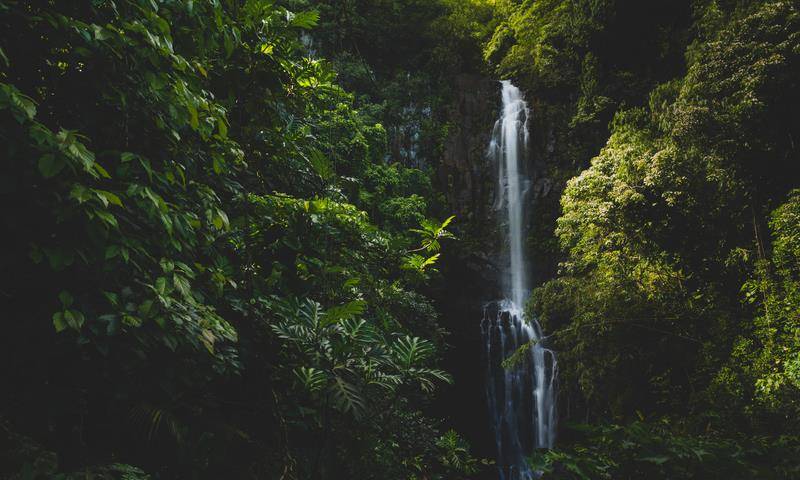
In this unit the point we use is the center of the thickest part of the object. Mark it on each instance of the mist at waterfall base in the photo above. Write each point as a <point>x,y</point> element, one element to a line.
<point>521,396</point>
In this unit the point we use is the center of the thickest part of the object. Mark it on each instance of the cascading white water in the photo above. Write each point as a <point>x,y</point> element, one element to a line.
<point>521,397</point>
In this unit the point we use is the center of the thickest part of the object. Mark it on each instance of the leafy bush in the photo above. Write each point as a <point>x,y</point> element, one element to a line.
<point>180,181</point>
<point>653,450</point>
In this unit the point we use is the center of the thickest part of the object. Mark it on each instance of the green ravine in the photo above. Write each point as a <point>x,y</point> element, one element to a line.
<point>252,239</point>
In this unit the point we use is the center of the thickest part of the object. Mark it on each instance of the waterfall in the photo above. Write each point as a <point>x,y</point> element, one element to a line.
<point>520,395</point>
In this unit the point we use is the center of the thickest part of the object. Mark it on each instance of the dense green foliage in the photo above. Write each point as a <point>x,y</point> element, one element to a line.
<point>189,286</point>
<point>399,57</point>
<point>655,450</point>
<point>667,224</point>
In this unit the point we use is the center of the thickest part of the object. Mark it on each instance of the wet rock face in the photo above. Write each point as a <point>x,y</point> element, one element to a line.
<point>467,177</point>
<point>465,173</point>
<point>542,187</point>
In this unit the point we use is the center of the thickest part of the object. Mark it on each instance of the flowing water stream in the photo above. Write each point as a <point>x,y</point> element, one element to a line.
<point>521,393</point>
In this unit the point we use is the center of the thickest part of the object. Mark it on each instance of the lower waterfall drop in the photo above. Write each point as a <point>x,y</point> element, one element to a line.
<point>521,382</point>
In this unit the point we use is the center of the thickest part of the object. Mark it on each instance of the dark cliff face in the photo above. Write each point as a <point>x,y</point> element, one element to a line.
<point>468,179</point>
<point>465,173</point>
<point>554,160</point>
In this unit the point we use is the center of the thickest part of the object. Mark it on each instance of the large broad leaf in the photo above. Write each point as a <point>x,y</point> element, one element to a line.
<point>346,397</point>
<point>418,262</point>
<point>293,311</point>
<point>344,312</point>
<point>304,20</point>
<point>428,377</point>
<point>410,351</point>
<point>361,332</point>
<point>50,165</point>
<point>321,165</point>
<point>431,232</point>
<point>311,378</point>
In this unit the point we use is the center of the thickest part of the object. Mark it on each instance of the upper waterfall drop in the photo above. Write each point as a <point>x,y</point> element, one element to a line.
<point>514,183</point>
<point>521,398</point>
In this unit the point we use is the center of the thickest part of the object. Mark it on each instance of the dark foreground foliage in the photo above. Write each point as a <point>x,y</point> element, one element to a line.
<point>188,285</point>
<point>657,450</point>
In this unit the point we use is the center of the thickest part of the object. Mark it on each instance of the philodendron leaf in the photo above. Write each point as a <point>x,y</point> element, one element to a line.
<point>347,397</point>
<point>312,378</point>
<point>344,312</point>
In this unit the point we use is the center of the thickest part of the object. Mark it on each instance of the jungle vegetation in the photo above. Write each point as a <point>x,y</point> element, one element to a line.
<point>224,234</point>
